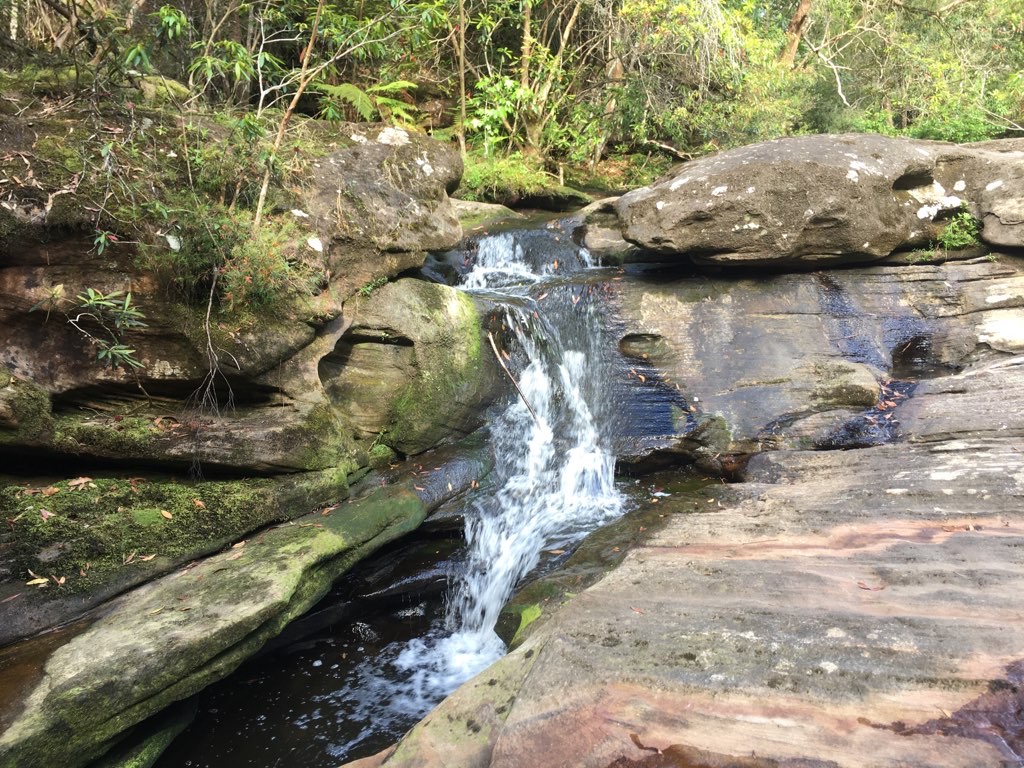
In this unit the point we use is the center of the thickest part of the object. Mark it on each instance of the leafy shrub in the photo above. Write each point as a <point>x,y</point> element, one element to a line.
<point>961,232</point>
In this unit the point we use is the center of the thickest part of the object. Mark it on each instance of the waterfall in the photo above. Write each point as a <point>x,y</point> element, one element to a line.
<point>553,476</point>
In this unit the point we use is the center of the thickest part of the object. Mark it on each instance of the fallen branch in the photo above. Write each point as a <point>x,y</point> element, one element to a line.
<point>497,354</point>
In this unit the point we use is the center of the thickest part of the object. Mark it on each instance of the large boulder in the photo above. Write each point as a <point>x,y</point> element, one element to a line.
<point>726,367</point>
<point>814,200</point>
<point>239,387</point>
<point>411,368</point>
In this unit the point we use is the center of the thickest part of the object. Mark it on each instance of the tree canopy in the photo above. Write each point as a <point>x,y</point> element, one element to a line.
<point>565,80</point>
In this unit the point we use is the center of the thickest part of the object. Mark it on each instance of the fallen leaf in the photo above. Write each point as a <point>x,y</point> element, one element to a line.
<point>34,582</point>
<point>33,574</point>
<point>155,612</point>
<point>419,488</point>
<point>8,599</point>
<point>146,558</point>
<point>166,514</point>
<point>51,490</point>
<point>59,581</point>
<point>30,492</point>
<point>78,482</point>
<point>641,377</point>
<point>128,558</point>
<point>199,504</point>
<point>869,588</point>
<point>637,610</point>
<point>239,544</point>
<point>450,487</point>
<point>235,555</point>
<point>45,513</point>
<point>555,551</point>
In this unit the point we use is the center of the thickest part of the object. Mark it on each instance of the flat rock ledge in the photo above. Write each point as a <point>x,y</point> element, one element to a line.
<point>839,608</point>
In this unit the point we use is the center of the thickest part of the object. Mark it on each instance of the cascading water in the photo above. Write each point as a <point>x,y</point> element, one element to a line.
<point>555,474</point>
<point>331,699</point>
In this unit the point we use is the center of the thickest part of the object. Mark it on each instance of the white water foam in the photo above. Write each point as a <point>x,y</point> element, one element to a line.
<point>555,480</point>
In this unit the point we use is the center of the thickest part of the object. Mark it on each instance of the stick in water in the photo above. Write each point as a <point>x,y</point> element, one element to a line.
<point>497,354</point>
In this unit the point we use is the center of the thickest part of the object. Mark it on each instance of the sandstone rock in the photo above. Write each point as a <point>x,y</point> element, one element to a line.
<point>172,637</point>
<point>475,215</point>
<point>740,366</point>
<point>411,370</point>
<point>840,608</point>
<point>999,170</point>
<point>373,206</point>
<point>815,200</point>
<point>387,188</point>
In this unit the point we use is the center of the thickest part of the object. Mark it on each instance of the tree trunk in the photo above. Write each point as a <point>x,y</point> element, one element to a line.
<point>794,32</point>
<point>462,77</point>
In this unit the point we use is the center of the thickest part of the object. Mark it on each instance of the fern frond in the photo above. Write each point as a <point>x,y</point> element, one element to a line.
<point>352,94</point>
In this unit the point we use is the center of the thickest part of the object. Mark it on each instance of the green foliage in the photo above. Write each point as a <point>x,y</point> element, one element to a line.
<point>103,318</point>
<point>368,289</point>
<point>501,179</point>
<point>376,100</point>
<point>172,23</point>
<point>265,267</point>
<point>960,232</point>
<point>492,109</point>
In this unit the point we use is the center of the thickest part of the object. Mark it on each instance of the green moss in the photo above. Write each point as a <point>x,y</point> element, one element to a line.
<point>380,456</point>
<point>54,81</point>
<point>26,408</point>
<point>124,437</point>
<point>527,615</point>
<point>450,370</point>
<point>504,179</point>
<point>163,91</point>
<point>89,530</point>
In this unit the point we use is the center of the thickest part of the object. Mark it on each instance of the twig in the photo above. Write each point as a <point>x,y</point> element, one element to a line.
<point>497,354</point>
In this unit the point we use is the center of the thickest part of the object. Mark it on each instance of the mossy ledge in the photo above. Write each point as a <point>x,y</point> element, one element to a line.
<point>172,637</point>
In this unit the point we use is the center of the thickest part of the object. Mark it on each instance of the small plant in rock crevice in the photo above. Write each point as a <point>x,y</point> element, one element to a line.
<point>102,318</point>
<point>961,231</point>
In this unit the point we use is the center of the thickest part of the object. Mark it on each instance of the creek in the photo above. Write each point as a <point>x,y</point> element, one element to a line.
<point>356,685</point>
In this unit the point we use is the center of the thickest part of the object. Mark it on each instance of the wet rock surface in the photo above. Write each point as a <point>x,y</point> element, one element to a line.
<point>812,360</point>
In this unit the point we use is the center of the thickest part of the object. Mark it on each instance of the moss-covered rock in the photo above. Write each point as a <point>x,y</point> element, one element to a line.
<point>410,371</point>
<point>94,537</point>
<point>168,640</point>
<point>25,416</point>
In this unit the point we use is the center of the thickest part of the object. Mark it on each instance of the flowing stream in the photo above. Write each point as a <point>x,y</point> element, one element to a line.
<point>552,484</point>
<point>554,469</point>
